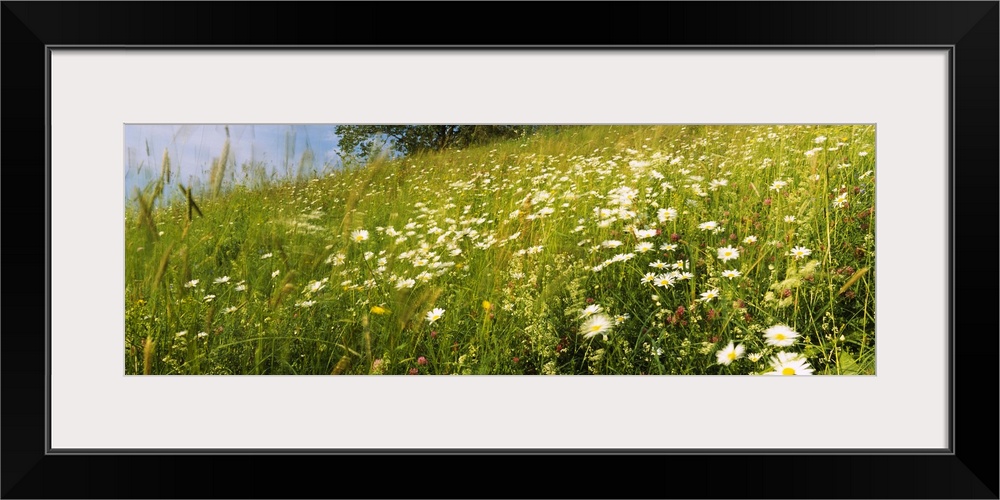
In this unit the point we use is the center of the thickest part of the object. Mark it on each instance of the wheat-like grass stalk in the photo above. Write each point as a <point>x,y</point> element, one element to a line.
<point>146,216</point>
<point>213,172</point>
<point>147,356</point>
<point>305,163</point>
<point>284,289</point>
<point>165,168</point>
<point>219,168</point>
<point>342,365</point>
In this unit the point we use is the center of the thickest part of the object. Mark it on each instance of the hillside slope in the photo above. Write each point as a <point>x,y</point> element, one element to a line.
<point>599,249</point>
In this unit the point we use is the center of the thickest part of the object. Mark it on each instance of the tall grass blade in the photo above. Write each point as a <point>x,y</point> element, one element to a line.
<point>162,268</point>
<point>854,279</point>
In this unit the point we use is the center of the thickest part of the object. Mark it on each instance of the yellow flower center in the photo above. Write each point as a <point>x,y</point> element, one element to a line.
<point>788,371</point>
<point>780,336</point>
<point>731,356</point>
<point>595,328</point>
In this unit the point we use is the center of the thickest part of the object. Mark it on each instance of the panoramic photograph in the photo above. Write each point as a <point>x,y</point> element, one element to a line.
<point>340,249</point>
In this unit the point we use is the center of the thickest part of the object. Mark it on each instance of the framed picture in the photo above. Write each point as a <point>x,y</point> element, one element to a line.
<point>650,219</point>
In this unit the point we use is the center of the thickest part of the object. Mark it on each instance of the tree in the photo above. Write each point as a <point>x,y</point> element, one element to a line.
<point>407,139</point>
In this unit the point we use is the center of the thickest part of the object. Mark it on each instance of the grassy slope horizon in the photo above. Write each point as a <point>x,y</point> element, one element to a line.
<point>584,250</point>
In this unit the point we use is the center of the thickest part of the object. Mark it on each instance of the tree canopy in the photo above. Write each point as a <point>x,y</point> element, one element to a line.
<point>407,139</point>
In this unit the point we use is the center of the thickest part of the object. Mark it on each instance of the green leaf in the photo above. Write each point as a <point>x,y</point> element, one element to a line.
<point>847,364</point>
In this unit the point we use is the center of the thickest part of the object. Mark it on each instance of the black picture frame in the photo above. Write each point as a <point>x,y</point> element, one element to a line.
<point>969,30</point>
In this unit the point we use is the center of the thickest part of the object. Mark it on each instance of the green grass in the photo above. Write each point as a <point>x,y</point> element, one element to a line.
<point>514,241</point>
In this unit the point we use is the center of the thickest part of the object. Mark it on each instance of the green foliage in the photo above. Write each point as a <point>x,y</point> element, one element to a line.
<point>365,140</point>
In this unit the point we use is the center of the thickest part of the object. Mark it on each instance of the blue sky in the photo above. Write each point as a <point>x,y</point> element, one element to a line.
<point>192,147</point>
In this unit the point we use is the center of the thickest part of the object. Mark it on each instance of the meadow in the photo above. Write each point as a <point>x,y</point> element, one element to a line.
<point>633,250</point>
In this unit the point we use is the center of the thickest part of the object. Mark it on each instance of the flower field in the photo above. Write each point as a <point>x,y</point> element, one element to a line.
<point>632,250</point>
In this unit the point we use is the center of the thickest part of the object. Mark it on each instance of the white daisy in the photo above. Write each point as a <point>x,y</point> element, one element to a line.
<point>435,314</point>
<point>840,201</point>
<point>316,286</point>
<point>729,354</point>
<point>359,235</point>
<point>644,233</point>
<point>664,280</point>
<point>780,336</point>
<point>717,183</point>
<point>643,247</point>
<point>799,252</point>
<point>597,324</point>
<point>730,273</point>
<point>728,253</point>
<point>790,363</point>
<point>666,214</point>
<point>591,309</point>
